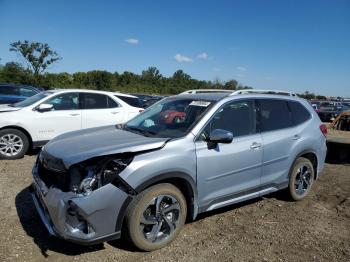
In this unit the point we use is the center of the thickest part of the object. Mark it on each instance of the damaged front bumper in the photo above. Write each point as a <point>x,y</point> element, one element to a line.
<point>89,219</point>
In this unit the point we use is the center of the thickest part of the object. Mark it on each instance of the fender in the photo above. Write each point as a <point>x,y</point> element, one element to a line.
<point>171,175</point>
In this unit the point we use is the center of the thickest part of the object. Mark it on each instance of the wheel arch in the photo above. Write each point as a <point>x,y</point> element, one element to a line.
<point>22,130</point>
<point>183,182</point>
<point>312,156</point>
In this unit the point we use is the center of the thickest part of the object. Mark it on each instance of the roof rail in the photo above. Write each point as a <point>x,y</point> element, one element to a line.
<point>260,91</point>
<point>197,91</point>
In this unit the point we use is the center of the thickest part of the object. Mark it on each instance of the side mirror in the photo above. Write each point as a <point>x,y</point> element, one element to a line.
<point>44,107</point>
<point>220,136</point>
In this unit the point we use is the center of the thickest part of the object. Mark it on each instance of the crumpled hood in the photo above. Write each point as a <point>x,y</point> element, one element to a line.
<point>7,108</point>
<point>77,146</point>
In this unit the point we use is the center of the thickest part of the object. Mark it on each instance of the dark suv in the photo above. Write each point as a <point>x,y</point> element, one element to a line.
<point>11,93</point>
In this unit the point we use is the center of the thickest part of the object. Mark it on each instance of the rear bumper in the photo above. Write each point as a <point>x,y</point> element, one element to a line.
<point>80,219</point>
<point>321,158</point>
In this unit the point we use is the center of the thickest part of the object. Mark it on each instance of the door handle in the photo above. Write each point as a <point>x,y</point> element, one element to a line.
<point>255,145</point>
<point>75,114</point>
<point>114,113</point>
<point>296,137</point>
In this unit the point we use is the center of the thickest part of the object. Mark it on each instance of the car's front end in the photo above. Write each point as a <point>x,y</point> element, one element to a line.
<point>83,204</point>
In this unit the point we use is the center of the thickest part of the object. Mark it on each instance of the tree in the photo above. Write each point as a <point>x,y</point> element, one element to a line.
<point>151,75</point>
<point>38,55</point>
<point>231,85</point>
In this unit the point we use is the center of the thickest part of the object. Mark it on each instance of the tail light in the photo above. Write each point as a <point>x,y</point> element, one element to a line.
<point>323,129</point>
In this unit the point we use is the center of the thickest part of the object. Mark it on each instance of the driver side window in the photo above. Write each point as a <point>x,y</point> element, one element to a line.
<point>66,101</point>
<point>238,117</point>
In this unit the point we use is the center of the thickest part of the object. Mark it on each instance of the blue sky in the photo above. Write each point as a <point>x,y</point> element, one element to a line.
<point>291,45</point>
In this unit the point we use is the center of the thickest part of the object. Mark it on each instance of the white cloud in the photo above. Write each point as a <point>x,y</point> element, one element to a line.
<point>182,58</point>
<point>241,68</point>
<point>203,56</point>
<point>132,41</point>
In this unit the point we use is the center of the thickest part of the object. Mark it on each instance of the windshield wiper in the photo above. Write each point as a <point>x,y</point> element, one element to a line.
<point>140,131</point>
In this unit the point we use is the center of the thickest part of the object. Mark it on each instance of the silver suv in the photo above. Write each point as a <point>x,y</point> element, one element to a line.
<point>185,155</point>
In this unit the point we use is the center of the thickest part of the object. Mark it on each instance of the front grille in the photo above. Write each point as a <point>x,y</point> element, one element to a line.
<point>52,178</point>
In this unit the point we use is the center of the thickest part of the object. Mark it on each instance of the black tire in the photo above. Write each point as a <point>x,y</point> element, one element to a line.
<point>135,229</point>
<point>20,137</point>
<point>301,178</point>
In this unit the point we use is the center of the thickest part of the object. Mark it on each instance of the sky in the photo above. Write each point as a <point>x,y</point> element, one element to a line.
<point>267,44</point>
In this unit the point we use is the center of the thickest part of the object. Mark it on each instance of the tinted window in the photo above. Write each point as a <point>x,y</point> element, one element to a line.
<point>94,101</point>
<point>237,117</point>
<point>27,92</point>
<point>133,101</point>
<point>67,101</point>
<point>274,114</point>
<point>8,90</point>
<point>112,103</point>
<point>299,112</point>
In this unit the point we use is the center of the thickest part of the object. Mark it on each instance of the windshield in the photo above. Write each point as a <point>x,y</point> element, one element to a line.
<point>31,100</point>
<point>171,117</point>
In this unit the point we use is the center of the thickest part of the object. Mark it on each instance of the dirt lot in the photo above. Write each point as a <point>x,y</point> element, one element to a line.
<point>267,229</point>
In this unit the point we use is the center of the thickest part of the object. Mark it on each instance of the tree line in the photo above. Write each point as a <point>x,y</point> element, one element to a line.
<point>39,56</point>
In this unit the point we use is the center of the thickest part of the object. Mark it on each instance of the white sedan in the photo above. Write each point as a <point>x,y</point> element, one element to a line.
<point>36,120</point>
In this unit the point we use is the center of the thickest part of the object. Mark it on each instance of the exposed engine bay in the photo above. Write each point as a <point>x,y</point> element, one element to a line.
<point>92,174</point>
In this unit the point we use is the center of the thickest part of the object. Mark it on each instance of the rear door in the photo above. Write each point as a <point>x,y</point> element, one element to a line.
<point>278,135</point>
<point>230,170</point>
<point>100,110</point>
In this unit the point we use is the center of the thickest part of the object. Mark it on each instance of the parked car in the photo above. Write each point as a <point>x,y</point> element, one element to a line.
<point>36,120</point>
<point>148,100</point>
<point>147,176</point>
<point>11,93</point>
<point>328,111</point>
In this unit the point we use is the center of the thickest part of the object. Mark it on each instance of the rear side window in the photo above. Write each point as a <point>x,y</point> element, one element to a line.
<point>299,112</point>
<point>133,101</point>
<point>94,101</point>
<point>274,115</point>
<point>112,103</point>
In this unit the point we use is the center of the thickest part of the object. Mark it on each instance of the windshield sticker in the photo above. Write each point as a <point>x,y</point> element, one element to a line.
<point>200,103</point>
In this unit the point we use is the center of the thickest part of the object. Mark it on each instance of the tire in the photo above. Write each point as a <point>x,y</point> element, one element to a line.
<point>301,178</point>
<point>143,220</point>
<point>17,141</point>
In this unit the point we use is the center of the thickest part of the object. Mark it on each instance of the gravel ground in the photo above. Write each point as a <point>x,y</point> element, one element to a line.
<point>266,229</point>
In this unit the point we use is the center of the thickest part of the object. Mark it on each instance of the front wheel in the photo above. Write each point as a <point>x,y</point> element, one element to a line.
<point>13,144</point>
<point>156,216</point>
<point>301,178</point>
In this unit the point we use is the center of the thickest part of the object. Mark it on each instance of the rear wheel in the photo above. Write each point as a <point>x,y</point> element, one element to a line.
<point>13,144</point>
<point>301,178</point>
<point>156,216</point>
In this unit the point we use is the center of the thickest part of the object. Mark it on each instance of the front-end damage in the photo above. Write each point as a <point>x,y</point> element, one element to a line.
<point>87,202</point>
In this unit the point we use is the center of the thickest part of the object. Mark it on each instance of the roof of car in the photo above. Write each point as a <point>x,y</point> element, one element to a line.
<point>125,95</point>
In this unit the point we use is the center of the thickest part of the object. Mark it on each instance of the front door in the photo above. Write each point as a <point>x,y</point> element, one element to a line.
<point>230,170</point>
<point>64,117</point>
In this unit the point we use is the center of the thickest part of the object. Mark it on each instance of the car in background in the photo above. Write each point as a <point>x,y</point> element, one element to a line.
<point>328,111</point>
<point>148,100</point>
<point>131,100</point>
<point>33,122</point>
<point>201,91</point>
<point>11,93</point>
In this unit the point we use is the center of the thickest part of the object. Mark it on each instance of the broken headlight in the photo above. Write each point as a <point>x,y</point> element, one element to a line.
<point>87,177</point>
